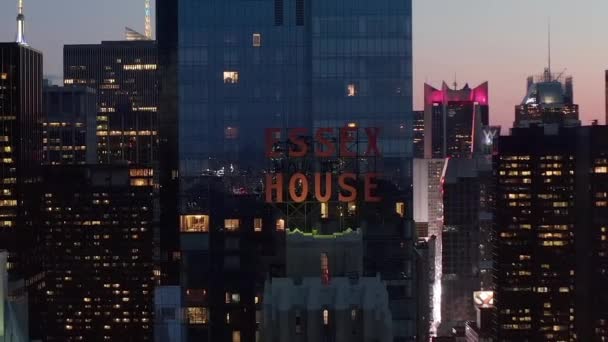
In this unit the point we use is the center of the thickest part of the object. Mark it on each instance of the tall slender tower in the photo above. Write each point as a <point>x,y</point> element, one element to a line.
<point>20,24</point>
<point>148,20</point>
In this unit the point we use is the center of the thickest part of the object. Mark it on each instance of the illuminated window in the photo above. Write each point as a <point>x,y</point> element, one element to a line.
<point>8,203</point>
<point>236,336</point>
<point>257,224</point>
<point>324,210</point>
<point>231,224</point>
<point>351,90</point>
<point>400,209</point>
<point>228,318</point>
<point>257,40</point>
<point>231,133</point>
<point>141,172</point>
<point>325,317</point>
<point>231,77</point>
<point>352,208</point>
<point>197,315</point>
<point>141,182</point>
<point>601,169</point>
<point>194,223</point>
<point>233,298</point>
<point>280,225</point>
<point>324,268</point>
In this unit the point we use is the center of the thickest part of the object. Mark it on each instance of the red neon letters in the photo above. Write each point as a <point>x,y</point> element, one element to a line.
<point>299,184</point>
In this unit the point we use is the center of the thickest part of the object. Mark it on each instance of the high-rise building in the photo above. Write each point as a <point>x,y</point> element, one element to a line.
<point>449,117</point>
<point>550,228</point>
<point>418,134</point>
<point>467,192</point>
<point>97,224</point>
<point>606,99</point>
<point>549,99</point>
<point>20,147</point>
<point>124,75</point>
<point>241,68</point>
<point>69,135</point>
<point>425,280</point>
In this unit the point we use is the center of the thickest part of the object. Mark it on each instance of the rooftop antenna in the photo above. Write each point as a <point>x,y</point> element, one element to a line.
<point>548,76</point>
<point>20,24</point>
<point>455,82</point>
<point>148,20</point>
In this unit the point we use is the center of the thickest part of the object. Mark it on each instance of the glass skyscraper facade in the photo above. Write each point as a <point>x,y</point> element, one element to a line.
<point>229,71</point>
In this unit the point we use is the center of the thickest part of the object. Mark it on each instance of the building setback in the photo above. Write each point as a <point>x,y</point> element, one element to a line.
<point>549,100</point>
<point>69,135</point>
<point>550,228</point>
<point>124,75</point>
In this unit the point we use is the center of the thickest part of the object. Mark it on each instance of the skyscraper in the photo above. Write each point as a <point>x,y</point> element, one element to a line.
<point>97,224</point>
<point>124,75</point>
<point>69,135</point>
<point>241,68</point>
<point>465,238</point>
<point>449,117</point>
<point>20,145</point>
<point>550,228</point>
<point>549,99</point>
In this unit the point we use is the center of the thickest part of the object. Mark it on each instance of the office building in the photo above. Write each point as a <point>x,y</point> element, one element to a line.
<point>449,116</point>
<point>241,68</point>
<point>549,99</point>
<point>550,229</point>
<point>124,76</point>
<point>606,98</point>
<point>467,188</point>
<point>69,130</point>
<point>428,196</point>
<point>418,134</point>
<point>97,225</point>
<point>425,281</point>
<point>20,146</point>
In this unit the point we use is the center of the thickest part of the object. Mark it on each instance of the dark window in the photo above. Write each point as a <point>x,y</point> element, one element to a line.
<point>278,12</point>
<point>300,12</point>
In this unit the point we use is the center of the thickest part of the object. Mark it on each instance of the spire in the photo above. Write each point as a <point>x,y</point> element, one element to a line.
<point>20,24</point>
<point>148,20</point>
<point>549,44</point>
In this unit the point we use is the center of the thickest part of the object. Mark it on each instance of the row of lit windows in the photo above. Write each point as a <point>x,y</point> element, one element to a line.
<point>139,66</point>
<point>200,224</point>
<point>127,133</point>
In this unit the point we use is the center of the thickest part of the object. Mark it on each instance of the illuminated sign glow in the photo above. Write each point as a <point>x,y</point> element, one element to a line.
<point>299,183</point>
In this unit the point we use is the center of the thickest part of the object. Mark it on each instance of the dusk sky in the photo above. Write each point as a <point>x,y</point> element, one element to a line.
<point>499,41</point>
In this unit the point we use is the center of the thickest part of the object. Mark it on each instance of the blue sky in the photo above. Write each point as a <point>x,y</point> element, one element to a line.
<point>501,41</point>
